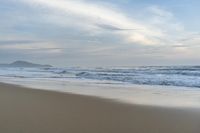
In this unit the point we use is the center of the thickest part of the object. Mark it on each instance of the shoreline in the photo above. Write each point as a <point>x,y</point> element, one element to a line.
<point>30,110</point>
<point>161,96</point>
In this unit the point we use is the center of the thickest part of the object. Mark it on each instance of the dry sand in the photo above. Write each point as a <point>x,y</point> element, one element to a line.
<point>25,110</point>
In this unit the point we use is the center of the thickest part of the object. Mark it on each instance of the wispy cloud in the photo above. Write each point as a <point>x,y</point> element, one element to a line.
<point>95,29</point>
<point>161,29</point>
<point>104,18</point>
<point>14,42</point>
<point>114,28</point>
<point>33,46</point>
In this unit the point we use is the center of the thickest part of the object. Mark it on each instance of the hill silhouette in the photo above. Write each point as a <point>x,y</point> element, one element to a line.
<point>23,64</point>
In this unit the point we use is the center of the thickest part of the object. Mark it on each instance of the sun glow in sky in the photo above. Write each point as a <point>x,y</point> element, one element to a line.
<point>100,32</point>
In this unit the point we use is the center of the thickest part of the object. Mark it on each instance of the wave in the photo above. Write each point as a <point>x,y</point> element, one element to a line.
<point>187,76</point>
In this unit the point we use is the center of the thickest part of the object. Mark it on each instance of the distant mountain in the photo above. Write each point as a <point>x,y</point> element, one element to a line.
<point>23,64</point>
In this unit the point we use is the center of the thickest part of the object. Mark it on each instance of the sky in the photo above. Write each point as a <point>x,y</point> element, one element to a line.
<point>100,32</point>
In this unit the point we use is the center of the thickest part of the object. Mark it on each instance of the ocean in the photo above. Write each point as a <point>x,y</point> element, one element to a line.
<point>182,76</point>
<point>161,85</point>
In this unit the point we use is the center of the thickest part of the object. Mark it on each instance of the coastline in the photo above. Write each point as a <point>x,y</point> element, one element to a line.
<point>31,110</point>
<point>162,96</point>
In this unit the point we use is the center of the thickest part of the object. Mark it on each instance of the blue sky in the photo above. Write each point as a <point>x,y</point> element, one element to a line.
<point>100,32</point>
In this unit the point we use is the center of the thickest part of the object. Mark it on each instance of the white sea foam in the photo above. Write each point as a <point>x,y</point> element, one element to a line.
<point>116,83</point>
<point>184,76</point>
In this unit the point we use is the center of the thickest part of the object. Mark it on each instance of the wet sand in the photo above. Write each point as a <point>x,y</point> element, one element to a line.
<point>24,110</point>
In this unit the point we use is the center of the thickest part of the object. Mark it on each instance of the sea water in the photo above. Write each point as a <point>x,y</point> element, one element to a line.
<point>160,85</point>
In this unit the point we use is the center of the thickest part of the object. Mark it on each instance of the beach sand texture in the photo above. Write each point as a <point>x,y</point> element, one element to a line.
<point>24,110</point>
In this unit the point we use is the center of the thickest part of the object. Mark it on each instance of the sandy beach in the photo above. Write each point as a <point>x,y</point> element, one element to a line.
<point>24,110</point>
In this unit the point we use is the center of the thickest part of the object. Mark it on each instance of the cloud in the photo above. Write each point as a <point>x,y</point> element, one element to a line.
<point>113,28</point>
<point>13,42</point>
<point>101,17</point>
<point>159,26</point>
<point>30,45</point>
<point>156,10</point>
<point>92,29</point>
